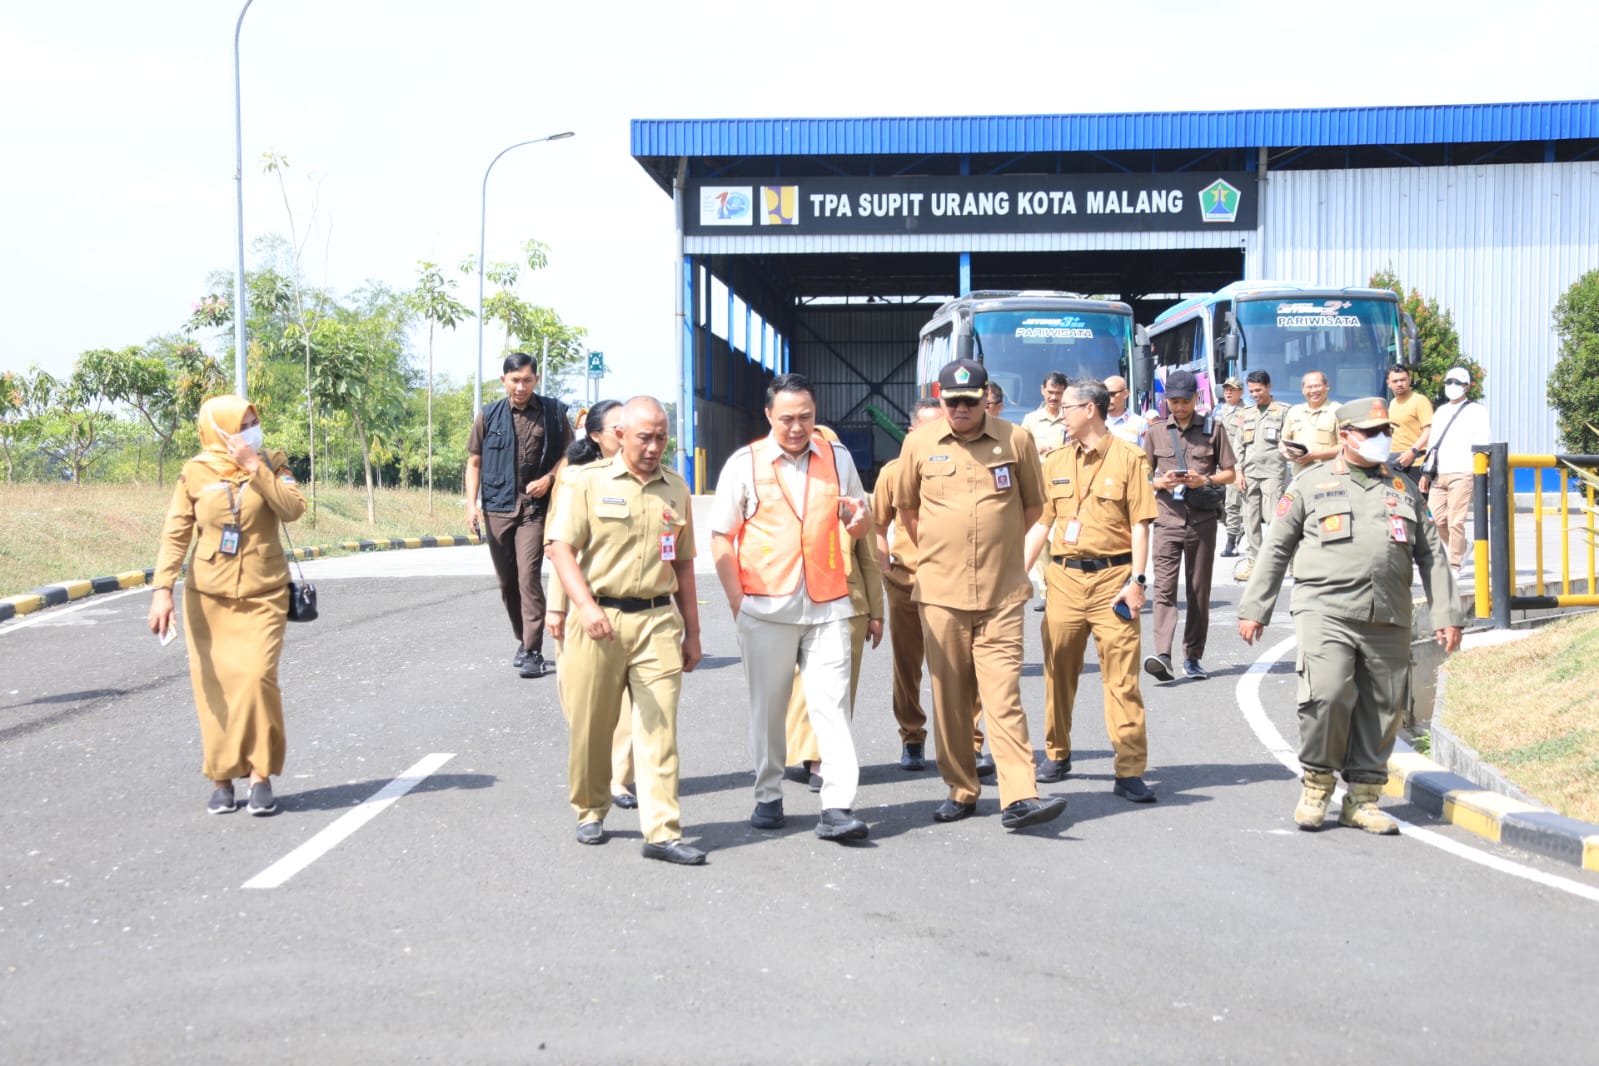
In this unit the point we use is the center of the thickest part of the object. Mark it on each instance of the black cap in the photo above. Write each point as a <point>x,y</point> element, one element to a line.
<point>963,377</point>
<point>1181,385</point>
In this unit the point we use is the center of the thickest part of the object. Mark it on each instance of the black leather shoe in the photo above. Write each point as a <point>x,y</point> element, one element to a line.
<point>985,765</point>
<point>1159,667</point>
<point>625,800</point>
<point>590,833</point>
<point>800,775</point>
<point>675,851</point>
<point>837,823</point>
<point>534,665</point>
<point>911,757</point>
<point>1052,770</point>
<point>521,657</point>
<point>1133,789</point>
<point>1230,549</point>
<point>1027,812</point>
<point>950,811</point>
<point>768,815</point>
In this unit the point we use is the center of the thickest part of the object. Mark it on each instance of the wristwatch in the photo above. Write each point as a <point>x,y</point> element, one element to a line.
<point>1137,579</point>
<point>1210,482</point>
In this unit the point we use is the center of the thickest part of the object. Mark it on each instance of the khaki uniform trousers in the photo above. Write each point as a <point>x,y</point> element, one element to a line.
<point>645,659</point>
<point>234,648</point>
<point>1354,682</point>
<point>1233,516</point>
<point>1260,504</point>
<point>1449,500</point>
<point>972,655</point>
<point>1079,605</point>
<point>621,740</point>
<point>771,651</point>
<point>516,548</point>
<point>801,737</point>
<point>905,641</point>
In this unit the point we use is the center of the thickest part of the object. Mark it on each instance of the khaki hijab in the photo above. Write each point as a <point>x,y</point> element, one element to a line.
<point>218,415</point>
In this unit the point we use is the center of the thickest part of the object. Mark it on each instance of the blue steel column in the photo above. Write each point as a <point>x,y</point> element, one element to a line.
<point>685,399</point>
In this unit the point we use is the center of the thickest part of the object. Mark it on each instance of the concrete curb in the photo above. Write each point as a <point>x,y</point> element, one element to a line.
<point>1491,815</point>
<point>67,591</point>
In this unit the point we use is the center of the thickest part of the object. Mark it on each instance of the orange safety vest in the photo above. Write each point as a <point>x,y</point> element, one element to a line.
<point>775,544</point>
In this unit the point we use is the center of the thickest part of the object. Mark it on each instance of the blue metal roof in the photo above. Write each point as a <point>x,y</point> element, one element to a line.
<point>1301,127</point>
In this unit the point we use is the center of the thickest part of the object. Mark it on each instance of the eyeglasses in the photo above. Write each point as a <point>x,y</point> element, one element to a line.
<point>962,401</point>
<point>1455,381</point>
<point>1074,406</point>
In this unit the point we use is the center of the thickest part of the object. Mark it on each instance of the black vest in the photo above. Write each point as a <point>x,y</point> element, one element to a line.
<point>501,481</point>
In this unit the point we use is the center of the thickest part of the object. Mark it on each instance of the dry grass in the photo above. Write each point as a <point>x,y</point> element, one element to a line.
<point>1531,707</point>
<point>51,533</point>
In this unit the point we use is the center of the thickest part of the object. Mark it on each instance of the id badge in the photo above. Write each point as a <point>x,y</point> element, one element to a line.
<point>1398,526</point>
<point>230,540</point>
<point>1073,530</point>
<point>668,547</point>
<point>1002,477</point>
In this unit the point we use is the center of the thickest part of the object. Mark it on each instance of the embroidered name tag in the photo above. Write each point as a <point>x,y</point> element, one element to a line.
<point>938,458</point>
<point>613,499</point>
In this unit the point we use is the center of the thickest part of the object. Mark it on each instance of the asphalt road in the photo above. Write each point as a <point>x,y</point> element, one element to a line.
<point>464,924</point>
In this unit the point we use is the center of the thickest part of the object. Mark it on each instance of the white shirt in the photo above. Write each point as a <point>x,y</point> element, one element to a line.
<point>1454,450</point>
<point>1128,426</point>
<point>736,499</point>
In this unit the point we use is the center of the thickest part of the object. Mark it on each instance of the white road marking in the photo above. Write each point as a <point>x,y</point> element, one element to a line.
<point>328,838</point>
<point>52,614</point>
<point>1255,714</point>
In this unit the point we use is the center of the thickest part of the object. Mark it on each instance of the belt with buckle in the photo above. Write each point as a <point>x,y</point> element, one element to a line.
<point>632,604</point>
<point>1088,566</point>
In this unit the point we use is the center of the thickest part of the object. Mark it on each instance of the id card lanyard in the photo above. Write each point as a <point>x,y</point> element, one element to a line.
<point>1074,525</point>
<point>231,530</point>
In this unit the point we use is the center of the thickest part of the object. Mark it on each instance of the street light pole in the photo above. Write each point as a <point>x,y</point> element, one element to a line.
<point>240,384</point>
<point>482,238</point>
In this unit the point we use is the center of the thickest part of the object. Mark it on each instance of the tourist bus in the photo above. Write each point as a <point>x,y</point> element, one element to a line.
<point>1285,329</point>
<point>1021,336</point>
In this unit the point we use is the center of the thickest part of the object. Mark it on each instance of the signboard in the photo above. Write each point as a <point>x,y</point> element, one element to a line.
<point>596,364</point>
<point>1022,203</point>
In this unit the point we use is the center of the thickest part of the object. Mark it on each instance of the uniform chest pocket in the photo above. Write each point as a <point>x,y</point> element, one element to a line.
<point>613,510</point>
<point>1002,474</point>
<point>1332,525</point>
<point>938,479</point>
<point>1060,490</point>
<point>1202,459</point>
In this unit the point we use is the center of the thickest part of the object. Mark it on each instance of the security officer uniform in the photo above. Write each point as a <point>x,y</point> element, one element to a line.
<point>967,500</point>
<point>1094,498</point>
<point>1259,430</point>
<point>1359,533</point>
<point>1233,516</point>
<point>626,534</point>
<point>1184,536</point>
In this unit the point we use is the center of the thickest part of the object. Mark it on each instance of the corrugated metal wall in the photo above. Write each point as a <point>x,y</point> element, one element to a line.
<point>1495,245</point>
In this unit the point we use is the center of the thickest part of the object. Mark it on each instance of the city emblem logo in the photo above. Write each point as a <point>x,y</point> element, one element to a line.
<point>962,376</point>
<point>1218,201</point>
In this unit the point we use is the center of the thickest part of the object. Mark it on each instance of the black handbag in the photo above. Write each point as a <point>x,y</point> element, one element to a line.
<point>302,594</point>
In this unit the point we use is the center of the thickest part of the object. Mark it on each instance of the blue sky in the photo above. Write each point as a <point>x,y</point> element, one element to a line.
<point>118,126</point>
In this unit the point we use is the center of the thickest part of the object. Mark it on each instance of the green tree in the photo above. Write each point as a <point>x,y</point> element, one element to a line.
<point>74,415</point>
<point>1440,341</point>
<point>1574,381</point>
<point>540,330</point>
<point>145,382</point>
<point>24,402</point>
<point>433,300</point>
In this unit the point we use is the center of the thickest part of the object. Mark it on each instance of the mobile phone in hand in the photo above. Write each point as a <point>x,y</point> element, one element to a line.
<point>1124,612</point>
<point>170,635</point>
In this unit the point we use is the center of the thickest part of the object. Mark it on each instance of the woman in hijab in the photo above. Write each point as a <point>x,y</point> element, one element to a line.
<point>229,501</point>
<point>599,441</point>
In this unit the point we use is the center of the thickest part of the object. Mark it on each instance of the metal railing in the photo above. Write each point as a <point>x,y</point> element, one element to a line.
<point>1493,529</point>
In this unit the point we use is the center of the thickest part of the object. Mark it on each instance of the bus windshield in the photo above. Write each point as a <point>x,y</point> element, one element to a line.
<point>1352,341</point>
<point>1019,347</point>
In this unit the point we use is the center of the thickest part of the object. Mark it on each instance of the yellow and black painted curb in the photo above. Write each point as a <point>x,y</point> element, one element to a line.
<point>67,591</point>
<point>1460,801</point>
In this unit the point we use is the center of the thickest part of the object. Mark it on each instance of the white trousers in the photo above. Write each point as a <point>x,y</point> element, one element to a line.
<point>822,652</point>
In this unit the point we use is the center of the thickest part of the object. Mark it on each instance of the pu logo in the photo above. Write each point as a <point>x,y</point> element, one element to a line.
<point>780,205</point>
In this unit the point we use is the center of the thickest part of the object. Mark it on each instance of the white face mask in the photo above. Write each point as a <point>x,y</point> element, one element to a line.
<point>1454,391</point>
<point>1374,449</point>
<point>252,437</point>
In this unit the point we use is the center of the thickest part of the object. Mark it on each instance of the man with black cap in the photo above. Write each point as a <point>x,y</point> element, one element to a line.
<point>1360,532</point>
<point>1192,458</point>
<point>968,487</point>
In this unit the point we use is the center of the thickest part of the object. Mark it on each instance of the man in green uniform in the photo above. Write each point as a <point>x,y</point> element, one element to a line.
<point>1233,396</point>
<point>1262,469</point>
<point>1360,530</point>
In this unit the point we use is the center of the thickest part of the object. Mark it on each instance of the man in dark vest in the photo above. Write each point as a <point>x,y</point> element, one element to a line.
<point>514,447</point>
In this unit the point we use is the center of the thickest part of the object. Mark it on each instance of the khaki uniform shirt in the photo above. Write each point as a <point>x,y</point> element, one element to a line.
<point>615,523</point>
<point>900,566</point>
<point>1410,415</point>
<point>970,497</point>
<point>1350,562</point>
<point>200,508</point>
<point>1317,428</point>
<point>1204,454</point>
<point>1105,489</point>
<point>1047,432</point>
<point>1258,429</point>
